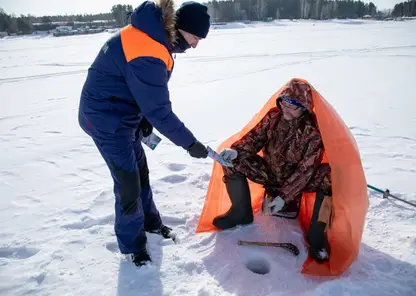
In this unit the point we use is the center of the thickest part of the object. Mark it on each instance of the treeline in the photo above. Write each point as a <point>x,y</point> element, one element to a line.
<point>221,11</point>
<point>72,18</point>
<point>404,9</point>
<point>25,24</point>
<point>225,11</point>
<point>10,24</point>
<point>121,14</point>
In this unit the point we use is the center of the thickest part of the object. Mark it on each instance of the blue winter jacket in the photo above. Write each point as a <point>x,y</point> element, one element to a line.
<point>129,80</point>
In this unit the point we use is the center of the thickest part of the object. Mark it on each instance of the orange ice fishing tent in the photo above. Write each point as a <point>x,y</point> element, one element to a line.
<point>350,200</point>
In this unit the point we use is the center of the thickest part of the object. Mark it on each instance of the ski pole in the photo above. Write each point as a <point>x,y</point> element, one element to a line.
<point>387,193</point>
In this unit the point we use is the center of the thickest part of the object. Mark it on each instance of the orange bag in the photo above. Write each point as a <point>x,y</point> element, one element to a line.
<point>349,187</point>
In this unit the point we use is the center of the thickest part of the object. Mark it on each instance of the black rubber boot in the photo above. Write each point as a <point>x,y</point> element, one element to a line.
<point>141,258</point>
<point>165,231</point>
<point>241,212</point>
<point>316,236</point>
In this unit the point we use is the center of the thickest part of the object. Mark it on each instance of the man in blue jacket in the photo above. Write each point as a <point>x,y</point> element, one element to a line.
<point>125,94</point>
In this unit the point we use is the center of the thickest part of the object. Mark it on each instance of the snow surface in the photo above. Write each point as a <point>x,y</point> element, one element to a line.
<point>56,206</point>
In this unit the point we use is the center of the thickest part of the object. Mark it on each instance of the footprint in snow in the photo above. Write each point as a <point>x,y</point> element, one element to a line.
<point>112,247</point>
<point>176,167</point>
<point>39,278</point>
<point>76,242</point>
<point>174,179</point>
<point>157,191</point>
<point>18,252</point>
<point>202,181</point>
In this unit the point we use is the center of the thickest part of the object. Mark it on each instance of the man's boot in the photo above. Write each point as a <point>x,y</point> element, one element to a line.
<point>141,258</point>
<point>165,231</point>
<point>241,212</point>
<point>316,236</point>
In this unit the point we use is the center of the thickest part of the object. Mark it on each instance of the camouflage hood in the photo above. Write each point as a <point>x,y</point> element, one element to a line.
<point>298,91</point>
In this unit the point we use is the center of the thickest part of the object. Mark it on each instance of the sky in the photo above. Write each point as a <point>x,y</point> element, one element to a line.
<point>54,7</point>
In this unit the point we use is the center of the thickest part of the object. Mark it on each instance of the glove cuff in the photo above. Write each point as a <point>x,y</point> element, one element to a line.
<point>192,145</point>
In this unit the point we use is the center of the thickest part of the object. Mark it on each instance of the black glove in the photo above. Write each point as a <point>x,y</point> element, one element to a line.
<point>146,127</point>
<point>198,150</point>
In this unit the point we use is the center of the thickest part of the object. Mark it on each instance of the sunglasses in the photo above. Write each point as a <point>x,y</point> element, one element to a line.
<point>290,103</point>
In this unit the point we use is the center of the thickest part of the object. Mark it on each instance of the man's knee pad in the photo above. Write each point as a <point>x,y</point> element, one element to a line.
<point>143,171</point>
<point>128,190</point>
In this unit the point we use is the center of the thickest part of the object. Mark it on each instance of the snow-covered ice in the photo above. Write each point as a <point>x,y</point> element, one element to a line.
<point>56,206</point>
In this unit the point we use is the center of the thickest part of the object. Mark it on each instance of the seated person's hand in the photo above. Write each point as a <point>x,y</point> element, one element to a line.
<point>271,190</point>
<point>228,154</point>
<point>276,205</point>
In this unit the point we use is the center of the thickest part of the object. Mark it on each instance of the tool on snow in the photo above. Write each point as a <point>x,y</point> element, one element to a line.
<point>287,246</point>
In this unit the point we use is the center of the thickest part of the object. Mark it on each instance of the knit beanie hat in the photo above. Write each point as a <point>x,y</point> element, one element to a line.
<point>192,17</point>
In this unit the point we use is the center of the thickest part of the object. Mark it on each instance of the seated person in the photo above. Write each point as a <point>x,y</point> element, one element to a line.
<point>291,164</point>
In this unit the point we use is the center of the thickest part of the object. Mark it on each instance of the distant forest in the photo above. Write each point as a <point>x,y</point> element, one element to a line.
<point>255,10</point>
<point>26,24</point>
<point>220,11</point>
<point>407,8</point>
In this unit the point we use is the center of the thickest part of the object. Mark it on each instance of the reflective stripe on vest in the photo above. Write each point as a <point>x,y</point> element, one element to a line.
<point>137,44</point>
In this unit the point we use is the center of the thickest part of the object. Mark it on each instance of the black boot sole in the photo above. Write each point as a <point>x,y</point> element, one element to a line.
<point>226,221</point>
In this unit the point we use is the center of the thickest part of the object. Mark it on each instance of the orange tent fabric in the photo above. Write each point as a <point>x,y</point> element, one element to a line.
<point>350,200</point>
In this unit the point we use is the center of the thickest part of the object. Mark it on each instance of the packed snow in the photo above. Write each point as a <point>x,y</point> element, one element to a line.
<point>56,206</point>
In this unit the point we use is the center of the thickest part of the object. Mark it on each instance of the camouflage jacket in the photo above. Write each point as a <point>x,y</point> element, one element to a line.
<point>292,155</point>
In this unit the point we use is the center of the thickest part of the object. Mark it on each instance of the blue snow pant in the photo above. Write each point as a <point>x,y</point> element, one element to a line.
<point>135,210</point>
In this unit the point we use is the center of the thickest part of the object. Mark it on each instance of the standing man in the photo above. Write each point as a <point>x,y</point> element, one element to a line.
<point>126,94</point>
